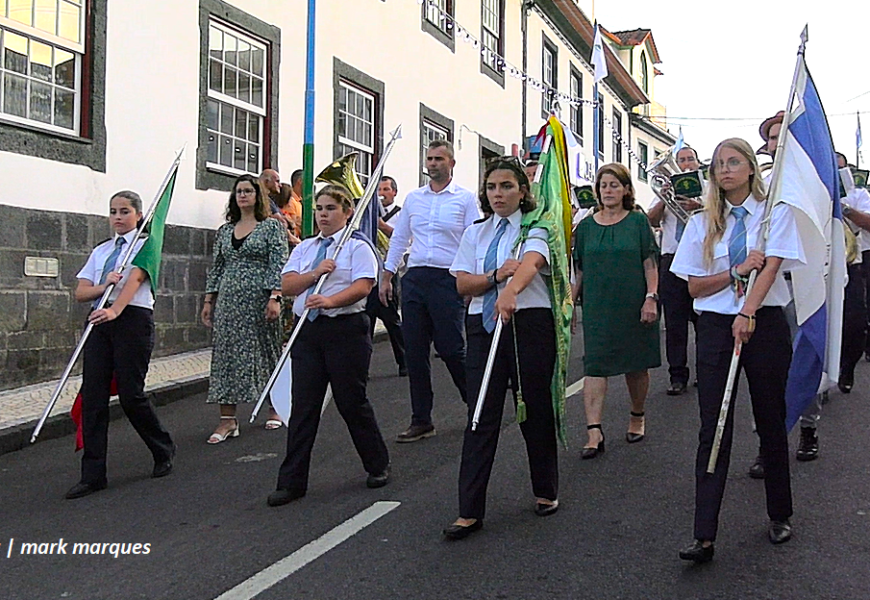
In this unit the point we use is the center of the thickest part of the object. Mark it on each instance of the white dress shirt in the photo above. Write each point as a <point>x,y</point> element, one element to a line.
<point>93,270</point>
<point>436,222</point>
<point>668,225</point>
<point>781,243</point>
<point>472,254</point>
<point>859,199</point>
<point>355,261</point>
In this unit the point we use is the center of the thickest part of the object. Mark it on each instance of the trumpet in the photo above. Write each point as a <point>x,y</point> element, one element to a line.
<point>660,171</point>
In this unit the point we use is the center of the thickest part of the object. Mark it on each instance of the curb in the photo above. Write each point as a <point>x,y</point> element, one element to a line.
<point>17,437</point>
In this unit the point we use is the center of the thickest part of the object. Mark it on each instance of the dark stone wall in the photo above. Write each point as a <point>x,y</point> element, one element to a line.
<point>40,321</point>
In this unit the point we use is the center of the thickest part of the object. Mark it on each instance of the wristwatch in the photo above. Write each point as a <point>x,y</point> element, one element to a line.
<point>276,298</point>
<point>492,278</point>
<point>653,295</point>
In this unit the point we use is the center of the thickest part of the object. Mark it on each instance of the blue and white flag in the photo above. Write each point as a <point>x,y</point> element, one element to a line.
<point>681,143</point>
<point>859,140</point>
<point>807,179</point>
<point>599,60</point>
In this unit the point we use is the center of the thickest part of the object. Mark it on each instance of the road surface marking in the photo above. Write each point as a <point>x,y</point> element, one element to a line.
<point>575,388</point>
<point>288,565</point>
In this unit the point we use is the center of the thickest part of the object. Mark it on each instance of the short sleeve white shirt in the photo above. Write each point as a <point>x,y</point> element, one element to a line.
<point>781,243</point>
<point>472,255</point>
<point>859,199</point>
<point>355,261</point>
<point>93,270</point>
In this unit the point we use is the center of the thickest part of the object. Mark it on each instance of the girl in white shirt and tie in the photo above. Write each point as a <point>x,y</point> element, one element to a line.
<point>482,268</point>
<point>333,346</point>
<point>120,344</point>
<point>716,256</point>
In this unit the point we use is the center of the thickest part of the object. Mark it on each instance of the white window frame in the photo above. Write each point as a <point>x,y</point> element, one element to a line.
<point>576,112</point>
<point>643,156</point>
<point>365,161</point>
<point>490,19</point>
<point>55,42</point>
<point>225,99</point>
<point>436,14</point>
<point>549,74</point>
<point>442,134</point>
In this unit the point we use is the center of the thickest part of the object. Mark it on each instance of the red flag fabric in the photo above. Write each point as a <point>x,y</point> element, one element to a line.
<point>75,412</point>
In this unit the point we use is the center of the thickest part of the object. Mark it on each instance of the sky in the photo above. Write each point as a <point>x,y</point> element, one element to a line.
<point>735,60</point>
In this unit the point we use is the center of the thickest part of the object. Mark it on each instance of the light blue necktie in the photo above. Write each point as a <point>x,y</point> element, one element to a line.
<point>737,242</point>
<point>109,265</point>
<point>681,227</point>
<point>490,263</point>
<point>321,256</point>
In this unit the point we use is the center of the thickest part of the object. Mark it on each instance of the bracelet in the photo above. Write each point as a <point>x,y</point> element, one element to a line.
<point>750,318</point>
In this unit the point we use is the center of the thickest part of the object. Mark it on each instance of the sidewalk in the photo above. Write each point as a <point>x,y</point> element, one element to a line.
<point>169,379</point>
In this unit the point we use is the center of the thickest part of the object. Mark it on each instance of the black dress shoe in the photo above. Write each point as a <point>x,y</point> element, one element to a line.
<point>809,445</point>
<point>164,467</point>
<point>756,471</point>
<point>80,490</point>
<point>846,382</point>
<point>677,388</point>
<point>779,532</point>
<point>415,433</point>
<point>380,480</point>
<point>592,452</point>
<point>698,553</point>
<point>458,532</point>
<point>542,509</point>
<point>282,497</point>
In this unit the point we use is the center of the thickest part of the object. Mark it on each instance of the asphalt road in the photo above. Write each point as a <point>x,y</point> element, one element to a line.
<point>623,516</point>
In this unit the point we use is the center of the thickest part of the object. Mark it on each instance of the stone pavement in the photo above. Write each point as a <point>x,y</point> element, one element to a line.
<point>169,378</point>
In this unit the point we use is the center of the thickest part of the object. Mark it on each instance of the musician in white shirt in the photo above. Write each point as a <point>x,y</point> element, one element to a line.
<point>435,216</point>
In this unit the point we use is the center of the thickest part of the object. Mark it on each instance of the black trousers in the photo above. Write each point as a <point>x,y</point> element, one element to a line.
<point>536,343</point>
<point>432,311</point>
<point>337,351</point>
<point>677,306</point>
<point>865,264</point>
<point>389,314</point>
<point>854,321</point>
<point>121,347</point>
<point>765,360</point>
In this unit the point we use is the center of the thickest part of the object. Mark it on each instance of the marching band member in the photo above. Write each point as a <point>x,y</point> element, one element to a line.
<point>616,266</point>
<point>120,344</point>
<point>676,301</point>
<point>482,268</point>
<point>715,257</point>
<point>334,347</point>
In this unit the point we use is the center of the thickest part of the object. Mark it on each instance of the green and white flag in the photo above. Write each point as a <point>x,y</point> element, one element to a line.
<point>148,258</point>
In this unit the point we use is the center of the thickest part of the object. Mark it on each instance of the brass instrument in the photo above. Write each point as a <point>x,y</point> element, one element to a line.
<point>342,172</point>
<point>660,171</point>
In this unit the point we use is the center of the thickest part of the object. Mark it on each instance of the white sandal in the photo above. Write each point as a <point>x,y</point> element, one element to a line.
<point>217,438</point>
<point>273,424</point>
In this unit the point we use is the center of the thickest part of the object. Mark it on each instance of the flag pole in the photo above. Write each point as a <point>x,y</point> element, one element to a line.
<point>858,140</point>
<point>146,220</point>
<point>308,138</point>
<point>499,324</point>
<point>356,221</point>
<point>772,194</point>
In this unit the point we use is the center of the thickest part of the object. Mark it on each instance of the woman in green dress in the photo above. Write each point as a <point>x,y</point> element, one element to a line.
<point>243,304</point>
<point>617,280</point>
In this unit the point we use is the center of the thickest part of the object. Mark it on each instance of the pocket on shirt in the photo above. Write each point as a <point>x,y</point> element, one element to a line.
<point>452,216</point>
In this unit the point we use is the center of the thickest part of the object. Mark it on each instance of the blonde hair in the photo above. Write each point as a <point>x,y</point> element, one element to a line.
<point>714,197</point>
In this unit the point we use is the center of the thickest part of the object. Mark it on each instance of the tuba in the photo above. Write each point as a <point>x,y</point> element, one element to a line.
<point>660,171</point>
<point>342,172</point>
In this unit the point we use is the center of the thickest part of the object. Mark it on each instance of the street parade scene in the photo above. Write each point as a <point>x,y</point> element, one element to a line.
<point>342,298</point>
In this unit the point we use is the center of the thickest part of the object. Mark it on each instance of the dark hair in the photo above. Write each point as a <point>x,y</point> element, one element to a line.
<point>443,144</point>
<point>338,193</point>
<point>261,207</point>
<point>843,156</point>
<point>530,163</point>
<point>392,181</point>
<point>512,164</point>
<point>295,176</point>
<point>695,152</point>
<point>135,201</point>
<point>623,176</point>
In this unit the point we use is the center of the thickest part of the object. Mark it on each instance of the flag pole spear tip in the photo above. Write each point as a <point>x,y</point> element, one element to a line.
<point>804,37</point>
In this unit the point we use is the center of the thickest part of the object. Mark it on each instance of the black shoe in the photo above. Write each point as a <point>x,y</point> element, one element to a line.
<point>809,445</point>
<point>756,471</point>
<point>846,382</point>
<point>282,497</point>
<point>380,480</point>
<point>164,467</point>
<point>403,371</point>
<point>677,388</point>
<point>633,438</point>
<point>416,432</point>
<point>594,451</point>
<point>542,509</point>
<point>458,532</point>
<point>80,490</point>
<point>779,532</point>
<point>697,553</point>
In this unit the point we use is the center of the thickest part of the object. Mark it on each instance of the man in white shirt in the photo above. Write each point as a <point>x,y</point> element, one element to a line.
<point>435,217</point>
<point>674,292</point>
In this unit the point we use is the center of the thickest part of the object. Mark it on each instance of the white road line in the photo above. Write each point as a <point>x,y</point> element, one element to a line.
<point>285,567</point>
<point>575,388</point>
